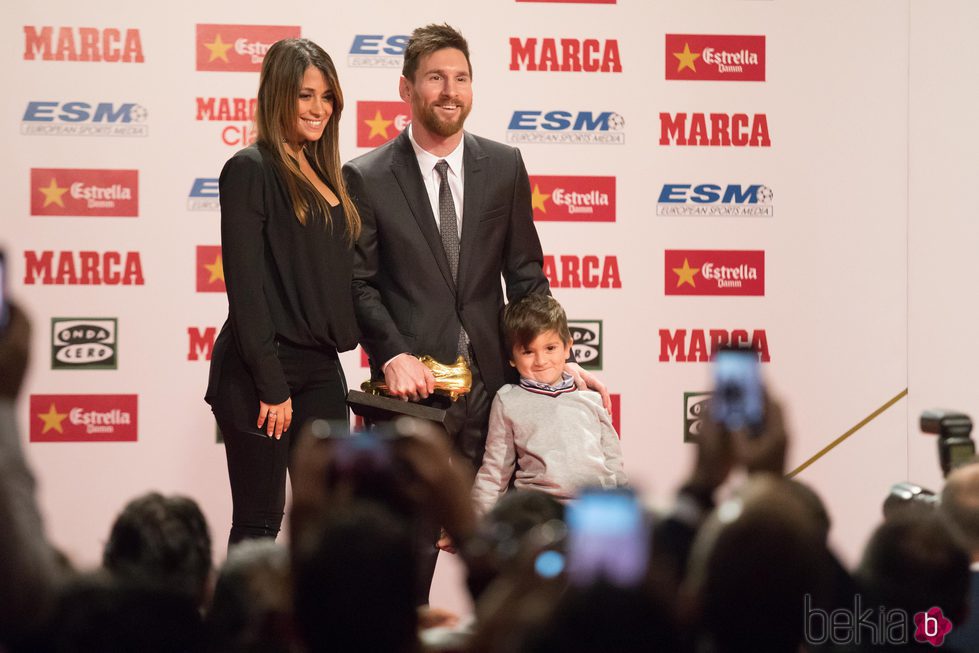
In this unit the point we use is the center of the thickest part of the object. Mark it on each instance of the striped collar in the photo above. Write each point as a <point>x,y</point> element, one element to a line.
<point>565,385</point>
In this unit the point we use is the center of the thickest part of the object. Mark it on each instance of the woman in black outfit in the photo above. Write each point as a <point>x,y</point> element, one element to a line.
<point>287,232</point>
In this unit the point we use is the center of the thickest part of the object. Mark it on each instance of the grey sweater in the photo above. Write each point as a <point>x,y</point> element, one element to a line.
<point>552,444</point>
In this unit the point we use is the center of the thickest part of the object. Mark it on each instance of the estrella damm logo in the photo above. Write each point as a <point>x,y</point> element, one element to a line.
<point>238,48</point>
<point>71,191</point>
<point>83,418</point>
<point>210,269</point>
<point>379,122</point>
<point>715,57</point>
<point>714,272</point>
<point>573,199</point>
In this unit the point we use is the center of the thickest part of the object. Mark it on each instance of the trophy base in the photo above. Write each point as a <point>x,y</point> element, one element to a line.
<point>377,408</point>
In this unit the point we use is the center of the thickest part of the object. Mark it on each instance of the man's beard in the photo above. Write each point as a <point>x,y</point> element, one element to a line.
<point>433,123</point>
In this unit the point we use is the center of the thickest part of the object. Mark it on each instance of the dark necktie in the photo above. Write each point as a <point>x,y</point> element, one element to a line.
<point>449,226</point>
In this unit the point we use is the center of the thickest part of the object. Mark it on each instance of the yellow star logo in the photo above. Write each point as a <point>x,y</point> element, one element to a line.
<point>379,126</point>
<point>686,274</point>
<point>219,49</point>
<point>687,58</point>
<point>52,420</point>
<point>216,269</point>
<point>538,199</point>
<point>52,193</point>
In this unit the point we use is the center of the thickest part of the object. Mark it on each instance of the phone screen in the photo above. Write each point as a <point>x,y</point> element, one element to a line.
<point>738,400</point>
<point>608,538</point>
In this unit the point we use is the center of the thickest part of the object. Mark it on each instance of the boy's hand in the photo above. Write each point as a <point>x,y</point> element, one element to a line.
<point>585,380</point>
<point>445,543</point>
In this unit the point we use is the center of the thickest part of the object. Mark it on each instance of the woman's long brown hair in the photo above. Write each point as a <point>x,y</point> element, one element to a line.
<point>276,116</point>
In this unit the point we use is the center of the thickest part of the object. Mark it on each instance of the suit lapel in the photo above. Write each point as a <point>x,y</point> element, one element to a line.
<point>404,166</point>
<point>474,163</point>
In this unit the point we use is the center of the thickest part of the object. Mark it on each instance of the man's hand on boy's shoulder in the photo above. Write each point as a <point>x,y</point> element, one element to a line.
<point>585,380</point>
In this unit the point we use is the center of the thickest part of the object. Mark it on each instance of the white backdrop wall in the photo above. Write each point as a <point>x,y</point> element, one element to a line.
<point>865,115</point>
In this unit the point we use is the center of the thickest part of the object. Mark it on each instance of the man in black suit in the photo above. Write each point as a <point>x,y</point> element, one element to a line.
<point>960,507</point>
<point>445,214</point>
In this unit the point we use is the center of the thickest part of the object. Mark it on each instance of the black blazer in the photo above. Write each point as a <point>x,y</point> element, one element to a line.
<point>404,296</point>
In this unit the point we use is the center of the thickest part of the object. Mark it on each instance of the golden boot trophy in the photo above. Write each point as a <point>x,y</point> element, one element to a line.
<point>452,380</point>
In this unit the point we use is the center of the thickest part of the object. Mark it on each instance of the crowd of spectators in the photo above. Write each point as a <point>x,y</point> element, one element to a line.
<point>751,571</point>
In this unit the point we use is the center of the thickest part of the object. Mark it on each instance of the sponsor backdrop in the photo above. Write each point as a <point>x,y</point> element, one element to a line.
<point>703,174</point>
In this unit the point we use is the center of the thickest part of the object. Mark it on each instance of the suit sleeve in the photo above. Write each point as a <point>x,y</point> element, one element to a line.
<point>499,461</point>
<point>243,250</point>
<point>379,334</point>
<point>523,259</point>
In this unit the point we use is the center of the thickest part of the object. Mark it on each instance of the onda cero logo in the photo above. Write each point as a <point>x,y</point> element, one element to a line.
<point>238,48</point>
<point>79,118</point>
<point>566,127</point>
<point>587,342</point>
<point>84,343</point>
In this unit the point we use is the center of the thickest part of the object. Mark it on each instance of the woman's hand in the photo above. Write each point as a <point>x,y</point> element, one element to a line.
<point>276,417</point>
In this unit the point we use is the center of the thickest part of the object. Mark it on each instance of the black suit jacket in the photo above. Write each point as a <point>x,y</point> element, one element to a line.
<point>404,295</point>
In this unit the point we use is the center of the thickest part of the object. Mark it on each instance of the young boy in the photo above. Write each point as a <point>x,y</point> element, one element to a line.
<point>544,432</point>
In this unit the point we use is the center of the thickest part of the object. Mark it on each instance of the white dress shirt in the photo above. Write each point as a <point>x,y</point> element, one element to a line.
<point>455,175</point>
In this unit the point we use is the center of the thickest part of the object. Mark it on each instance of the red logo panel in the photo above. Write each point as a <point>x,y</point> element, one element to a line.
<point>617,413</point>
<point>379,122</point>
<point>210,269</point>
<point>573,199</point>
<point>238,48</point>
<point>714,272</point>
<point>716,58</point>
<point>83,418</point>
<point>66,191</point>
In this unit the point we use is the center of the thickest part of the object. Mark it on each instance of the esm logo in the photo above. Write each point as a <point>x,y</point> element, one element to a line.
<point>566,127</point>
<point>204,195</point>
<point>716,200</point>
<point>377,51</point>
<point>75,118</point>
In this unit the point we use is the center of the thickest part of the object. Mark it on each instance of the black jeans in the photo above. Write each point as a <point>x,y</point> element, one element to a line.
<point>257,464</point>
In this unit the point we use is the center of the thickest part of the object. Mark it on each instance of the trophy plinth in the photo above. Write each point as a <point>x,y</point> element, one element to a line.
<point>452,380</point>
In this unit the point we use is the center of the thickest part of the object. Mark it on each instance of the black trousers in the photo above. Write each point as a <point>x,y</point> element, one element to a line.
<point>257,464</point>
<point>466,421</point>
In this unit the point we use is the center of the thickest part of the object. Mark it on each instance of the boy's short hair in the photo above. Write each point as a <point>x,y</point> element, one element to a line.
<point>428,39</point>
<point>532,315</point>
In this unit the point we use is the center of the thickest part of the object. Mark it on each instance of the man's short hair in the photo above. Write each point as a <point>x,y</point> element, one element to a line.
<point>532,315</point>
<point>428,39</point>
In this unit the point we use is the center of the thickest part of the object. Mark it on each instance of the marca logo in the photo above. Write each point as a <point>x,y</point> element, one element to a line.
<point>699,345</point>
<point>617,413</point>
<point>52,118</point>
<point>715,57</point>
<point>82,44</point>
<point>587,347</point>
<point>714,272</point>
<point>238,48</point>
<point>204,195</point>
<point>84,343</point>
<point>377,51</point>
<point>578,2</point>
<point>62,191</point>
<point>200,343</point>
<point>715,129</point>
<point>714,200</point>
<point>365,361</point>
<point>694,412</point>
<point>239,110</point>
<point>565,55</point>
<point>83,418</point>
<point>573,199</point>
<point>67,268</point>
<point>566,127</point>
<point>210,269</point>
<point>570,271</point>
<point>379,122</point>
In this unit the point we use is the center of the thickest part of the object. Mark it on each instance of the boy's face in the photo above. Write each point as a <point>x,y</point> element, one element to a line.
<point>541,360</point>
